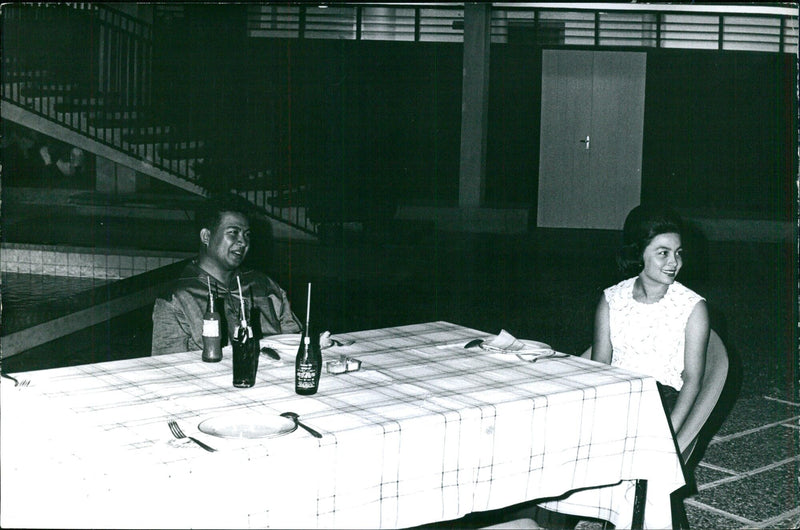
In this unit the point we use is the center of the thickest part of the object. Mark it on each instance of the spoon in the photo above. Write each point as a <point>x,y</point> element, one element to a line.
<point>295,418</point>
<point>271,353</point>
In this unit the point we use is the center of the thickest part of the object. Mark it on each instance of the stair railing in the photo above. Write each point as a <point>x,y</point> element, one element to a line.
<point>89,68</point>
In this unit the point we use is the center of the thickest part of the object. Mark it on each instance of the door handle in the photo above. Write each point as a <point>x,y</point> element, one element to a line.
<point>586,141</point>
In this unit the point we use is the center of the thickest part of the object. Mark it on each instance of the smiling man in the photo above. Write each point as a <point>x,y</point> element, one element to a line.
<point>223,225</point>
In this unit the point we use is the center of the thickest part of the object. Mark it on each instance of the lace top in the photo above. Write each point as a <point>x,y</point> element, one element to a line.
<point>649,338</point>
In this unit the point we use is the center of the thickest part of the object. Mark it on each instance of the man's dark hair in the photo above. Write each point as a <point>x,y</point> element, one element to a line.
<point>209,213</point>
<point>641,226</point>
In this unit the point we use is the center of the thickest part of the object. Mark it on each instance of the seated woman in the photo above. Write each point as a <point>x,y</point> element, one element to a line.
<point>650,323</point>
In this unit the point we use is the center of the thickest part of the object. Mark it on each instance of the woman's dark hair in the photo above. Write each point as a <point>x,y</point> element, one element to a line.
<point>641,226</point>
<point>209,213</point>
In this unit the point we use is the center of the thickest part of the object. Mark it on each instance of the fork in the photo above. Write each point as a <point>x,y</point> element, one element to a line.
<point>23,383</point>
<point>554,355</point>
<point>178,433</point>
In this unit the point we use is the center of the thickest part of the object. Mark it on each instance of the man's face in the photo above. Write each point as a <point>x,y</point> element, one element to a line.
<point>229,242</point>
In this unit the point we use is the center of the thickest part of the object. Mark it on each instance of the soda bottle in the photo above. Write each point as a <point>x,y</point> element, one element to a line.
<point>212,338</point>
<point>308,363</point>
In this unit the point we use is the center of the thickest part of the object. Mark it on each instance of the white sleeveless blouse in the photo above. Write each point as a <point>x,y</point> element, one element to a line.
<point>649,338</point>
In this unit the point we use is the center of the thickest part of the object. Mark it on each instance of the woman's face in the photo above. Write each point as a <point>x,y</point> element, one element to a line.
<point>663,259</point>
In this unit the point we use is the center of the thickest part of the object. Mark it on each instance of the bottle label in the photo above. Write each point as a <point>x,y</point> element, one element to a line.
<point>211,328</point>
<point>305,376</point>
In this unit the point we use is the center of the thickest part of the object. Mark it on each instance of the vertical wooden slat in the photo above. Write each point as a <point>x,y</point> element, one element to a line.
<point>659,21</point>
<point>596,28</point>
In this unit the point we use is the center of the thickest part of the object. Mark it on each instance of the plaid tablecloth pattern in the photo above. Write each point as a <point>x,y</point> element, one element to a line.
<point>425,431</point>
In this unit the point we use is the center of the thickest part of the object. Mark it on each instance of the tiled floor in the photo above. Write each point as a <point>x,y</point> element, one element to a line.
<point>545,286</point>
<point>748,477</point>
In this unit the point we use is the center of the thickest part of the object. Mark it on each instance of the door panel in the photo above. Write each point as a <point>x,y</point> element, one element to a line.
<point>566,116</point>
<point>599,95</point>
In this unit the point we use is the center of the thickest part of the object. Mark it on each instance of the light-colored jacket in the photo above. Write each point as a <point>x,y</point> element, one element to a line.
<point>178,315</point>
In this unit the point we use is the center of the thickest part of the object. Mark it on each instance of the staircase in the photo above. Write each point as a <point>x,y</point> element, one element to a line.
<point>82,73</point>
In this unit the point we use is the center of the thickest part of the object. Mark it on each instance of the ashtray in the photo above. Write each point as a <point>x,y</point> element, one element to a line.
<point>342,365</point>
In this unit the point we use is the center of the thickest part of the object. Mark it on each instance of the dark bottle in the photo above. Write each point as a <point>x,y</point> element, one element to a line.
<point>212,336</point>
<point>308,363</point>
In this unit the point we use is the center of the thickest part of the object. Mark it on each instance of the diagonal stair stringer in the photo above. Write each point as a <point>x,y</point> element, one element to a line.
<point>31,120</point>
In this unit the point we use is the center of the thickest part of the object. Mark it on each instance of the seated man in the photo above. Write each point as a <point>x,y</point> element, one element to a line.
<point>224,229</point>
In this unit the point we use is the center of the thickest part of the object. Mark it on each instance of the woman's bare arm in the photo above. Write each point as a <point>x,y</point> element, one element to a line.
<point>696,342</point>
<point>601,346</point>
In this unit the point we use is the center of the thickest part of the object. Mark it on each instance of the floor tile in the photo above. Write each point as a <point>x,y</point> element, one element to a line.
<point>749,413</point>
<point>700,519</point>
<point>758,497</point>
<point>755,450</point>
<point>705,475</point>
<point>789,522</point>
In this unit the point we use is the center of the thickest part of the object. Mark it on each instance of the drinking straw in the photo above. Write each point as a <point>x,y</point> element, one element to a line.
<point>244,317</point>
<point>241,299</point>
<point>308,306</point>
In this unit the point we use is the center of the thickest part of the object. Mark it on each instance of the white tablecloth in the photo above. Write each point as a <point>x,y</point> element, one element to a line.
<point>426,431</point>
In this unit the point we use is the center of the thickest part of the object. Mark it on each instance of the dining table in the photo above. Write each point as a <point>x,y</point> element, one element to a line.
<point>424,430</point>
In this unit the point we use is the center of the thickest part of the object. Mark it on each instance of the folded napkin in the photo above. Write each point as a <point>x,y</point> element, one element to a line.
<point>505,342</point>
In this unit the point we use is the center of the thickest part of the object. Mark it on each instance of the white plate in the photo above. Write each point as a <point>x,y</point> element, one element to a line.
<point>286,340</point>
<point>532,347</point>
<point>243,425</point>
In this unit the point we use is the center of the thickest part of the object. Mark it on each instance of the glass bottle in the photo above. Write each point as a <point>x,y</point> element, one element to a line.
<point>212,338</point>
<point>308,363</point>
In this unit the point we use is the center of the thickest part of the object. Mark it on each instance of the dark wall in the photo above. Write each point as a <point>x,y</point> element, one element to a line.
<point>512,162</point>
<point>720,131</point>
<point>368,124</point>
<point>371,121</point>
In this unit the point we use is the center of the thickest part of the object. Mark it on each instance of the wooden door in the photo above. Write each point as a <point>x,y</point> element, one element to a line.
<point>590,155</point>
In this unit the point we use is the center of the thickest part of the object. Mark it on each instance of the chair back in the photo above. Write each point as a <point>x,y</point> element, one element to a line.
<point>714,377</point>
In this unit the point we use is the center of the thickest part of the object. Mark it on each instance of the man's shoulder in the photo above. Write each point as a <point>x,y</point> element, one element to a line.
<point>188,280</point>
<point>256,277</point>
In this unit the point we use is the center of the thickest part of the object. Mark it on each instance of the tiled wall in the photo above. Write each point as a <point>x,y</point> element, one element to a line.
<point>82,262</point>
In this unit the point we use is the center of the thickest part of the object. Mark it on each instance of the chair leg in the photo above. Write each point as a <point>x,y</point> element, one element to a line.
<point>680,521</point>
<point>639,503</point>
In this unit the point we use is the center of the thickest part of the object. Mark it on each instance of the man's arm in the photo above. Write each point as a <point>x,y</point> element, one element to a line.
<point>289,321</point>
<point>171,330</point>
